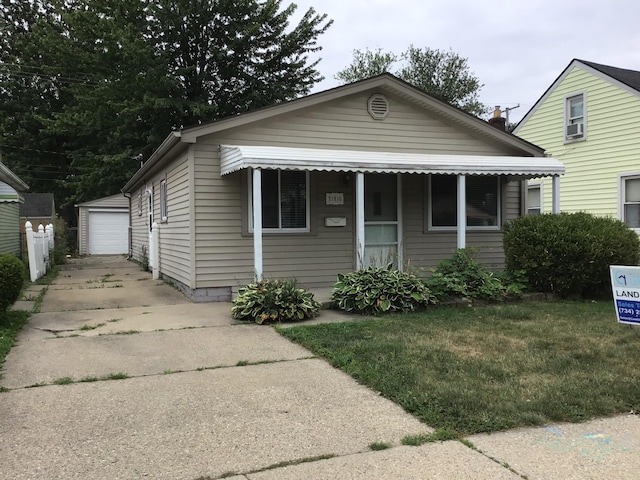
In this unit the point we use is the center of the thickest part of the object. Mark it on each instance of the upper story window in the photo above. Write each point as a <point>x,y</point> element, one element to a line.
<point>285,200</point>
<point>483,200</point>
<point>630,197</point>
<point>574,128</point>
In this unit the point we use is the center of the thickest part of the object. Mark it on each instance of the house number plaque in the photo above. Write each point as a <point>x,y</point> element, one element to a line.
<point>335,198</point>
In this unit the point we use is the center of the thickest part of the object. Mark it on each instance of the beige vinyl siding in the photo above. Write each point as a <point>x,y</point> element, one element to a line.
<point>139,227</point>
<point>175,245</point>
<point>9,228</point>
<point>612,144</point>
<point>345,124</point>
<point>224,248</point>
<point>423,248</point>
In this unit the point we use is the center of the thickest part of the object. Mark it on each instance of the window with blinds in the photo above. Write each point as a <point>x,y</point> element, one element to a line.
<point>483,200</point>
<point>285,203</point>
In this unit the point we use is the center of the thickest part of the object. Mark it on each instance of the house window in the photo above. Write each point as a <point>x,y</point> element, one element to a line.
<point>483,199</point>
<point>630,187</point>
<point>140,204</point>
<point>534,199</point>
<point>163,200</point>
<point>574,118</point>
<point>285,203</point>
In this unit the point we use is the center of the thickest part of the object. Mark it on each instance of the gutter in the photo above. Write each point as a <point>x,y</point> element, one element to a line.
<point>173,139</point>
<point>10,178</point>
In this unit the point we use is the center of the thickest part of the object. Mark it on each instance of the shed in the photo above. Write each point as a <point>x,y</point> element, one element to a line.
<point>103,226</point>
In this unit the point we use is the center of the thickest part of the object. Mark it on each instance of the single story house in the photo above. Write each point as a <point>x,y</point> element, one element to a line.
<point>367,173</point>
<point>103,226</point>
<point>12,189</point>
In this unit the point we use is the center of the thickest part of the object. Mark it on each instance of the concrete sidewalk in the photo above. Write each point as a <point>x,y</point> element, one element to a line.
<point>204,396</point>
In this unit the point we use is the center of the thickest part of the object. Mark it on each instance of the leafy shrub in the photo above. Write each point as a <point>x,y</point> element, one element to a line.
<point>61,242</point>
<point>379,289</point>
<point>569,253</point>
<point>274,301</point>
<point>12,275</point>
<point>463,276</point>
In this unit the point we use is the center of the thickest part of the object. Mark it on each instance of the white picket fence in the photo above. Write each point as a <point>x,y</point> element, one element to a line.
<point>39,247</point>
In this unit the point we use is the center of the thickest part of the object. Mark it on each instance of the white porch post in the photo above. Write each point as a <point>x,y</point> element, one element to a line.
<point>399,217</point>
<point>359,220</point>
<point>462,211</point>
<point>257,222</point>
<point>555,199</point>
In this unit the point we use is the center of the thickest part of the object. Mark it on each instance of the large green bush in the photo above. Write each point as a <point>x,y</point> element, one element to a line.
<point>269,301</point>
<point>12,275</point>
<point>569,253</point>
<point>380,289</point>
<point>462,276</point>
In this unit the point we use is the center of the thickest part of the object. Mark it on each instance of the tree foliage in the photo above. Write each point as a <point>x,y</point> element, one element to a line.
<point>88,88</point>
<point>443,74</point>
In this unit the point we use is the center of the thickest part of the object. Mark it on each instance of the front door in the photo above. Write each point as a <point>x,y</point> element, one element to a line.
<point>381,228</point>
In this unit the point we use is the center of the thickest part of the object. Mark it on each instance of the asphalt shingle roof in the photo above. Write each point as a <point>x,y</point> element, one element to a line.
<point>630,78</point>
<point>37,205</point>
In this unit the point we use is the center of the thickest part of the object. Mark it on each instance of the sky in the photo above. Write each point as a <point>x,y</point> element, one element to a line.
<point>516,48</point>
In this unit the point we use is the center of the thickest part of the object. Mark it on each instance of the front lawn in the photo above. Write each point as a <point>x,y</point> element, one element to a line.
<point>468,370</point>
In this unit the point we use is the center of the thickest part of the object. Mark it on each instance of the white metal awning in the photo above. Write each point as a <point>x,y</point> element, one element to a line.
<point>235,158</point>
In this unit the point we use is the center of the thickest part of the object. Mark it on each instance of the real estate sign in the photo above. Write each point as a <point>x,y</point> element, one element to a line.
<point>625,283</point>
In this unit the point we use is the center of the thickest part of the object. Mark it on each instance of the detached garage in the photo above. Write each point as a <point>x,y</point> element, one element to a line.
<point>103,226</point>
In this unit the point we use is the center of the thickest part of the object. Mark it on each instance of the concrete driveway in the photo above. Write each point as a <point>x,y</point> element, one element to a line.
<point>121,377</point>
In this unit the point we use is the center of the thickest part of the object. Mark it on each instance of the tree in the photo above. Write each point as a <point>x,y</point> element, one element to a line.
<point>91,86</point>
<point>443,74</point>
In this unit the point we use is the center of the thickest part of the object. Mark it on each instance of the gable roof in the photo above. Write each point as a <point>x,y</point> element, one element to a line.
<point>625,79</point>
<point>384,83</point>
<point>37,205</point>
<point>630,78</point>
<point>112,201</point>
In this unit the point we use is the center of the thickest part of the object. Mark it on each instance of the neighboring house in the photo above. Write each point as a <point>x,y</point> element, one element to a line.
<point>38,208</point>
<point>12,189</point>
<point>589,119</point>
<point>325,184</point>
<point>103,226</point>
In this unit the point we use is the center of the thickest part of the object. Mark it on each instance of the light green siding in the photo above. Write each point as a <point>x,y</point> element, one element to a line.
<point>9,228</point>
<point>611,145</point>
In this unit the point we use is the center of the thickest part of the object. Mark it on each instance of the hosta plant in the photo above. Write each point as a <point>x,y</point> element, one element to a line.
<point>271,301</point>
<point>380,289</point>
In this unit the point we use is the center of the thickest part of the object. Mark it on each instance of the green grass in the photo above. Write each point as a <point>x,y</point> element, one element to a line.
<point>376,446</point>
<point>86,328</point>
<point>483,369</point>
<point>11,323</point>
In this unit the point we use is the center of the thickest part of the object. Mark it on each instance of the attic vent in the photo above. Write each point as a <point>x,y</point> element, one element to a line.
<point>378,106</point>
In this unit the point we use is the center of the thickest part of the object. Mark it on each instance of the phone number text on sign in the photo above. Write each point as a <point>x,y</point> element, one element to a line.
<point>628,311</point>
<point>625,283</point>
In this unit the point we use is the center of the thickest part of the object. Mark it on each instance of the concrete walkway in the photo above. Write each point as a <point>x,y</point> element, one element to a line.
<point>121,377</point>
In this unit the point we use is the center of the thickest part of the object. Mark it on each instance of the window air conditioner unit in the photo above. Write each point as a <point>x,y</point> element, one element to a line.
<point>574,130</point>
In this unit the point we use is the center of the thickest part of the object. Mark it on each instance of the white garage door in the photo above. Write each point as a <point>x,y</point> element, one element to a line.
<point>108,233</point>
